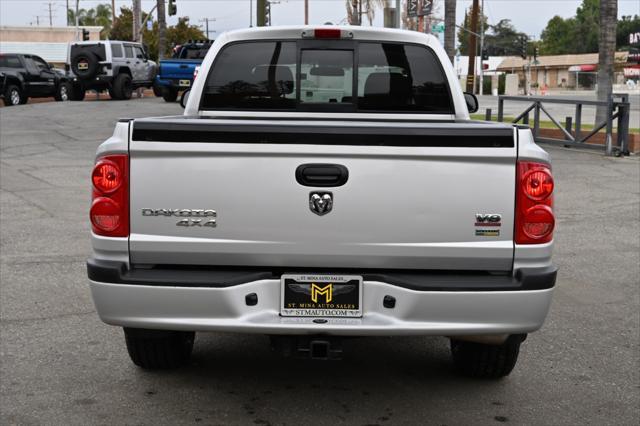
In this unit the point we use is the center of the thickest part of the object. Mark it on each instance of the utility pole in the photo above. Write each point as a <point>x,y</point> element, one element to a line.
<point>471,73</point>
<point>162,29</point>
<point>113,12</point>
<point>77,30</point>
<point>306,12</point>
<point>136,19</point>
<point>66,13</point>
<point>261,10</point>
<point>482,48</point>
<point>50,6</point>
<point>398,13</point>
<point>206,26</point>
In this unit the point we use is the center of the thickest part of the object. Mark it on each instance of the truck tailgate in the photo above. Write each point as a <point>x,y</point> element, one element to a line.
<point>178,68</point>
<point>412,198</point>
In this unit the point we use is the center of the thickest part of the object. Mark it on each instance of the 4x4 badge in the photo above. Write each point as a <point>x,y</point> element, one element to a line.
<point>321,203</point>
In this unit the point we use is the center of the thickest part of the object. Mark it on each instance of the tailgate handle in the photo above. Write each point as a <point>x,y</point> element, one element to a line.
<point>184,66</point>
<point>322,175</point>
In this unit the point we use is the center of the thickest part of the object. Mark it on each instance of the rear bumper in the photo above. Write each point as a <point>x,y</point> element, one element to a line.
<point>173,82</point>
<point>99,79</point>
<point>435,311</point>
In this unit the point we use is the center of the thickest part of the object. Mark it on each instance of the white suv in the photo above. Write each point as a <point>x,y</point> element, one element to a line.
<point>116,66</point>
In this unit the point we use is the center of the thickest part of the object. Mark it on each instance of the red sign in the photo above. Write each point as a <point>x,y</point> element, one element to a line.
<point>632,71</point>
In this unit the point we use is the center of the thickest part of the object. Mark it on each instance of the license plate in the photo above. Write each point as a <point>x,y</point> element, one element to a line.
<point>184,83</point>
<point>321,295</point>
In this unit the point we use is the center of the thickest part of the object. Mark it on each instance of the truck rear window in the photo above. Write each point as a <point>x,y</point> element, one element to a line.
<point>287,76</point>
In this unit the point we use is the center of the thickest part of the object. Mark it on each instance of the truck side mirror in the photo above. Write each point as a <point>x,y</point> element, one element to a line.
<point>472,102</point>
<point>184,98</point>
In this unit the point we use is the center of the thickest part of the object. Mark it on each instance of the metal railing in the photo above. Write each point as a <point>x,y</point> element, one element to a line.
<point>617,109</point>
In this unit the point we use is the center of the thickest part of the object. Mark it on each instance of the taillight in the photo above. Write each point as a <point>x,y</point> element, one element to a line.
<point>327,33</point>
<point>109,212</point>
<point>195,72</point>
<point>534,203</point>
<point>538,184</point>
<point>106,176</point>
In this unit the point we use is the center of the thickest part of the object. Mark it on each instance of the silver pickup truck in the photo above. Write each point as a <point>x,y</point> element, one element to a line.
<point>323,183</point>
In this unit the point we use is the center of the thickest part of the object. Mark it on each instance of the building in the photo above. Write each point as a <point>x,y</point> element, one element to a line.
<point>50,43</point>
<point>561,71</point>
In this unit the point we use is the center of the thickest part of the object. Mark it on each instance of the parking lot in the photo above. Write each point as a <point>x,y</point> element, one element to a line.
<point>61,365</point>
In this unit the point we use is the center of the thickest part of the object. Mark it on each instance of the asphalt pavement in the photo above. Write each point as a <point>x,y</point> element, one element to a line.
<point>61,366</point>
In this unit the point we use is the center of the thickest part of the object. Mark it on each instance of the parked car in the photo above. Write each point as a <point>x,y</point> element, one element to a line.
<point>177,74</point>
<point>323,183</point>
<point>116,66</point>
<point>24,76</point>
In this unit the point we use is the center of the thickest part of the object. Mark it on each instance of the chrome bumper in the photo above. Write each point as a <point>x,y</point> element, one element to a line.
<point>446,313</point>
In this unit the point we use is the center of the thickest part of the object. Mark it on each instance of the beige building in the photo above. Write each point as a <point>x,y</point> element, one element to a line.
<point>560,71</point>
<point>32,34</point>
<point>50,43</point>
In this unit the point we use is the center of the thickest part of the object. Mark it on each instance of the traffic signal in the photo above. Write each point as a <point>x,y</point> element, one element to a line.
<point>172,9</point>
<point>267,13</point>
<point>536,51</point>
<point>85,34</point>
<point>523,48</point>
<point>485,54</point>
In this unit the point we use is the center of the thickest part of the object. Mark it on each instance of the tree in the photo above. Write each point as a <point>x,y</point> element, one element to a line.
<point>606,54</point>
<point>450,28</point>
<point>587,25</point>
<point>578,34</point>
<point>558,36</point>
<point>98,16</point>
<point>503,39</point>
<point>463,33</point>
<point>368,8</point>
<point>123,27</point>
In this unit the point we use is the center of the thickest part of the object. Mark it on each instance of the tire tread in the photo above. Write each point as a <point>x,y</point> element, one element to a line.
<point>158,349</point>
<point>486,361</point>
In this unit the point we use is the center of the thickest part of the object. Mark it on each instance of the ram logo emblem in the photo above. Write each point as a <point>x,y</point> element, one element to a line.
<point>321,203</point>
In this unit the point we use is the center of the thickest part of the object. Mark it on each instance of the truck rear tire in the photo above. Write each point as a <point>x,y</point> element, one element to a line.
<point>157,90</point>
<point>169,94</point>
<point>159,349</point>
<point>122,87</point>
<point>77,92</point>
<point>485,361</point>
<point>14,96</point>
<point>64,92</point>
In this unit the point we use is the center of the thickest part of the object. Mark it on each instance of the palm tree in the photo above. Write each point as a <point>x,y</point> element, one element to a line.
<point>606,55</point>
<point>368,7</point>
<point>101,16</point>
<point>450,28</point>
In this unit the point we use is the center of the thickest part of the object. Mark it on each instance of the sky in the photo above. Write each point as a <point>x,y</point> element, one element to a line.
<point>529,16</point>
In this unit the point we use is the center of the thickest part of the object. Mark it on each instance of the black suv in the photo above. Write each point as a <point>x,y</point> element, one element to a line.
<point>29,76</point>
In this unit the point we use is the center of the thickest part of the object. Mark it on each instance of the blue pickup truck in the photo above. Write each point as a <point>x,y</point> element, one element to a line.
<point>176,74</point>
